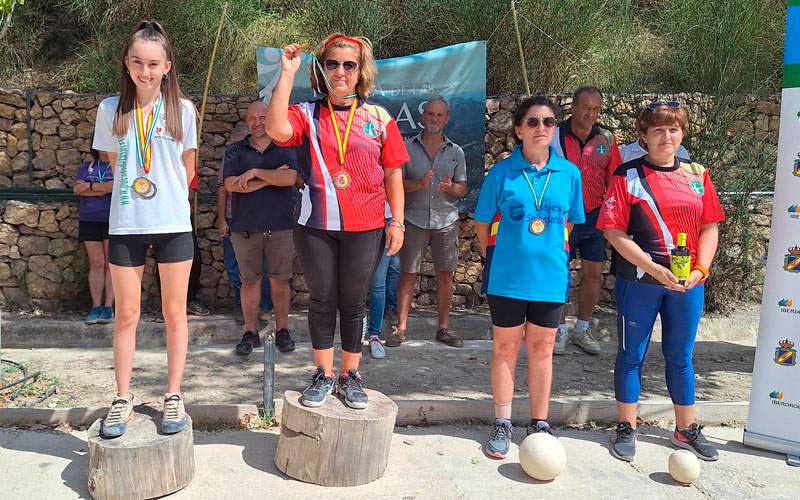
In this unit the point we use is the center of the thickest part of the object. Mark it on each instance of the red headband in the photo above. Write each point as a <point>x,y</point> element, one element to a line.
<point>343,38</point>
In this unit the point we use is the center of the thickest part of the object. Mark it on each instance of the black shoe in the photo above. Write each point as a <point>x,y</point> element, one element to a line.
<point>623,446</point>
<point>539,426</point>
<point>196,308</point>
<point>249,342</point>
<point>352,390</point>
<point>319,388</point>
<point>693,440</point>
<point>283,340</point>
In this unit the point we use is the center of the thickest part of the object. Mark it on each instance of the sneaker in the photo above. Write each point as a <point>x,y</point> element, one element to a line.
<point>249,342</point>
<point>447,337</point>
<point>196,308</point>
<point>391,315</point>
<point>106,315</point>
<point>623,446</point>
<point>319,388</point>
<point>562,339</point>
<point>397,338</point>
<point>352,390</point>
<point>537,426</point>
<point>693,440</point>
<point>116,422</point>
<point>376,349</point>
<point>499,440</point>
<point>283,340</point>
<point>174,418</point>
<point>94,316</point>
<point>584,340</point>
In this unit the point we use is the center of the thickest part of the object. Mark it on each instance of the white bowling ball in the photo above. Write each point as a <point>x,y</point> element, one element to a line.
<point>684,467</point>
<point>542,456</point>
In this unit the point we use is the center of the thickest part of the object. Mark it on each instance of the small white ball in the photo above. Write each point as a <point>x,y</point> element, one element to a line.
<point>542,456</point>
<point>684,467</point>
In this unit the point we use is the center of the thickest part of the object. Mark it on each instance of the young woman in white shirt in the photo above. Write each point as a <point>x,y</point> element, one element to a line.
<point>149,132</point>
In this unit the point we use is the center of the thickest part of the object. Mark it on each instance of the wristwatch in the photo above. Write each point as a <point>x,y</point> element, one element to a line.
<point>396,223</point>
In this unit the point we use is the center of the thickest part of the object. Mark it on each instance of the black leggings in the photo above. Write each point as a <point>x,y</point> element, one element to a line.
<point>337,267</point>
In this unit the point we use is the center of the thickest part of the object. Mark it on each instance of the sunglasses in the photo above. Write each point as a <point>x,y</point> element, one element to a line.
<point>333,65</point>
<point>670,104</point>
<point>548,122</point>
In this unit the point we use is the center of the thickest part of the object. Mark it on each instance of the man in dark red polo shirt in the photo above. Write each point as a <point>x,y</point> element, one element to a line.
<point>593,148</point>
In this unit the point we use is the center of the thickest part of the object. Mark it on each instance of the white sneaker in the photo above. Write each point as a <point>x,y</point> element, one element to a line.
<point>583,338</point>
<point>562,339</point>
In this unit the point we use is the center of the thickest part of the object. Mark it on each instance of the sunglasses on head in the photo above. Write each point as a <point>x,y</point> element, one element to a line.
<point>670,104</point>
<point>548,122</point>
<point>333,65</point>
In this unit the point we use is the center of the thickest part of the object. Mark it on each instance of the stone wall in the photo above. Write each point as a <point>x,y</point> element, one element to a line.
<point>42,265</point>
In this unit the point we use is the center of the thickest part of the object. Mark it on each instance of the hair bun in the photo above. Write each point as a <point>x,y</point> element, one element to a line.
<point>149,25</point>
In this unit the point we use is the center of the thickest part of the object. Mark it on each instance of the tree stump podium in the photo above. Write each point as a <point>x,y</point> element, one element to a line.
<point>141,463</point>
<point>334,445</point>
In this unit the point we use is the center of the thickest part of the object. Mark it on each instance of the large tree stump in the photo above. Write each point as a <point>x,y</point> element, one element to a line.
<point>334,445</point>
<point>141,463</point>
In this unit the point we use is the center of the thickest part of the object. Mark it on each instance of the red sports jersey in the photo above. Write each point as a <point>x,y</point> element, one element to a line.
<point>597,159</point>
<point>653,204</point>
<point>375,144</point>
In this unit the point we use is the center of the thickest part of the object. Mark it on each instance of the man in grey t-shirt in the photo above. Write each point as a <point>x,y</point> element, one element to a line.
<point>434,179</point>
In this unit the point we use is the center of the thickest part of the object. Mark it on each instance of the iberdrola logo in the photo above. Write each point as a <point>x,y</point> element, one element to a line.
<point>794,212</point>
<point>776,395</point>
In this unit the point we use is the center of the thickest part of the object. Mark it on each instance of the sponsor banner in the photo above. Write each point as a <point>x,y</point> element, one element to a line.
<point>775,398</point>
<point>456,72</point>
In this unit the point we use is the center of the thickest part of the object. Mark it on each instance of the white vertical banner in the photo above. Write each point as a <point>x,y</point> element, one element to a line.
<point>774,418</point>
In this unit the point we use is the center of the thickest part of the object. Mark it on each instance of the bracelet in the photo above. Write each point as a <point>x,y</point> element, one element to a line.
<point>703,269</point>
<point>396,223</point>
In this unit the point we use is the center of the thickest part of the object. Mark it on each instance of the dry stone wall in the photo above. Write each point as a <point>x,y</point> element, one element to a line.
<point>44,136</point>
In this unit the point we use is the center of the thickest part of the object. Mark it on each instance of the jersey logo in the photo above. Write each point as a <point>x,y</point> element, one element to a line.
<point>602,149</point>
<point>370,130</point>
<point>610,203</point>
<point>697,187</point>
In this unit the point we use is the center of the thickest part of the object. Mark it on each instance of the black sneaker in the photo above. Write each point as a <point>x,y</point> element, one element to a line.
<point>623,446</point>
<point>319,388</point>
<point>499,440</point>
<point>351,389</point>
<point>539,426</point>
<point>249,342</point>
<point>195,307</point>
<point>692,439</point>
<point>284,340</point>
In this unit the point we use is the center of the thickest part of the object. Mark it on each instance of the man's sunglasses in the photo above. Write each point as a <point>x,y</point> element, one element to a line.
<point>333,65</point>
<point>548,122</point>
<point>670,104</point>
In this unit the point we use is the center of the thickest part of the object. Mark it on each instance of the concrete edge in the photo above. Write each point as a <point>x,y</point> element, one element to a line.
<point>410,412</point>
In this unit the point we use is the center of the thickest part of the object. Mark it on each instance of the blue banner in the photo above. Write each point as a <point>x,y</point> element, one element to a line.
<point>456,72</point>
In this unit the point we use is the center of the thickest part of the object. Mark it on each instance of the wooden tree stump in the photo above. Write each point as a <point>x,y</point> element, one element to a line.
<point>141,463</point>
<point>334,445</point>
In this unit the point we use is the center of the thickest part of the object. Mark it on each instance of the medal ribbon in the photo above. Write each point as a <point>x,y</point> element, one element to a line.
<point>537,200</point>
<point>342,144</point>
<point>144,135</point>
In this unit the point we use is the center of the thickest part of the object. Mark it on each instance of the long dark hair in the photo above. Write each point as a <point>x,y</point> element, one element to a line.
<point>170,90</point>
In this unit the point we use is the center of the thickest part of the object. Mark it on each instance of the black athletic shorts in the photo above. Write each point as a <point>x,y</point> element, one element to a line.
<point>129,250</point>
<point>92,231</point>
<point>507,312</point>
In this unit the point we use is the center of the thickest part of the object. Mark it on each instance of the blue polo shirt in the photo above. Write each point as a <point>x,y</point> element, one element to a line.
<point>527,266</point>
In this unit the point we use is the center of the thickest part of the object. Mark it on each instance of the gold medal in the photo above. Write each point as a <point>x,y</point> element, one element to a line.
<point>341,180</point>
<point>143,187</point>
<point>537,226</point>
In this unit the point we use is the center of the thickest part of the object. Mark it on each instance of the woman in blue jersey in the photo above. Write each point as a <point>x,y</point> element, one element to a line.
<point>538,196</point>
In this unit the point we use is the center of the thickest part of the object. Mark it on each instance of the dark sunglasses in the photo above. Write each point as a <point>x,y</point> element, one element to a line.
<point>333,65</point>
<point>548,122</point>
<point>670,104</point>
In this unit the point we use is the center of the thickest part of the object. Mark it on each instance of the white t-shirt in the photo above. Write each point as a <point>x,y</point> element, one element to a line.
<point>635,150</point>
<point>166,212</point>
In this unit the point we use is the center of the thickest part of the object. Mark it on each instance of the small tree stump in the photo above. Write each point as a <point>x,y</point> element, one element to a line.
<point>141,463</point>
<point>334,445</point>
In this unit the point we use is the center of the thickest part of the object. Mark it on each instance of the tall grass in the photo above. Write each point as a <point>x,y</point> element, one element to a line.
<point>659,46</point>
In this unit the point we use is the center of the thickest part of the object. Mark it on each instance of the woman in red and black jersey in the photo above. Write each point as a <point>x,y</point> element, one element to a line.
<point>651,200</point>
<point>355,149</point>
